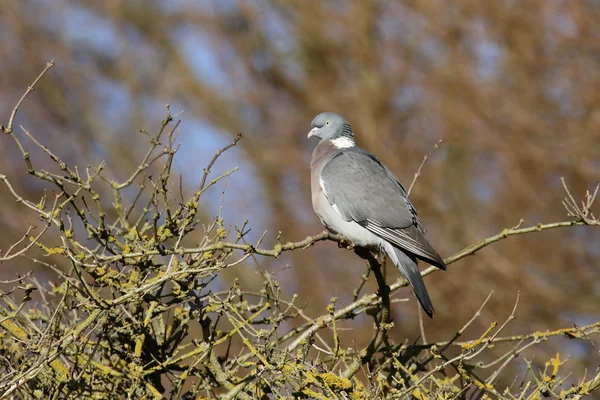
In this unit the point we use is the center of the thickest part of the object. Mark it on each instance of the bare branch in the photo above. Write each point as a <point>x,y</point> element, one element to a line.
<point>9,128</point>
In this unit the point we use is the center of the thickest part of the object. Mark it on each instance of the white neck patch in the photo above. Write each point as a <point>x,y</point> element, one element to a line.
<point>343,142</point>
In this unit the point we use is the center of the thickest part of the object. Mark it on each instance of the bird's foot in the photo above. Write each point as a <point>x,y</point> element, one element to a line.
<point>346,243</point>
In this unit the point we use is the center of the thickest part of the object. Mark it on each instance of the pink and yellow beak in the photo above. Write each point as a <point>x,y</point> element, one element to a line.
<point>312,132</point>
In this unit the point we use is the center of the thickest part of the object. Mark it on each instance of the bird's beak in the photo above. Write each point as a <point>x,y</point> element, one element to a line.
<point>312,132</point>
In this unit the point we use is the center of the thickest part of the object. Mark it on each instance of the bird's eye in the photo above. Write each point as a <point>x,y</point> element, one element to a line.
<point>327,122</point>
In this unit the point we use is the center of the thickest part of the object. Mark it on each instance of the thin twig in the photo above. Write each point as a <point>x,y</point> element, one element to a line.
<point>418,173</point>
<point>382,320</point>
<point>9,128</point>
<point>214,159</point>
<point>19,279</point>
<point>34,240</point>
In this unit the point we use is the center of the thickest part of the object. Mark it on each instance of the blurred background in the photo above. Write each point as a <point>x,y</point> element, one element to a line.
<point>511,87</point>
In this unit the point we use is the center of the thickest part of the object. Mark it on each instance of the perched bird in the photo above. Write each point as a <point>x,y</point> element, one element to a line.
<point>355,195</point>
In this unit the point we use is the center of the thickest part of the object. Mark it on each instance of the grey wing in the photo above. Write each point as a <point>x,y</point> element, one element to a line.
<point>361,189</point>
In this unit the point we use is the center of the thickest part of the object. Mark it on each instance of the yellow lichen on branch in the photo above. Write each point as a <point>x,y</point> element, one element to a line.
<point>137,308</point>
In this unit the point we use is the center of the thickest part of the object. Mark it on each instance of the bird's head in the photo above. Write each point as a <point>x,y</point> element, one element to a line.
<point>332,127</point>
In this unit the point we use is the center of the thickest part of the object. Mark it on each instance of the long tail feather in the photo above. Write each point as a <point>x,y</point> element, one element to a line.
<point>407,264</point>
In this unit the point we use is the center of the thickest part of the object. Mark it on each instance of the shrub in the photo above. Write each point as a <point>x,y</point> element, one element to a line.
<point>116,318</point>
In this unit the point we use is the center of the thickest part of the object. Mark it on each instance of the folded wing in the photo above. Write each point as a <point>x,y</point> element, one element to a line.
<point>361,189</point>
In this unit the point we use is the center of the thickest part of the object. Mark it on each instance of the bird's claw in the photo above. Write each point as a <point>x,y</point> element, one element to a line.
<point>346,244</point>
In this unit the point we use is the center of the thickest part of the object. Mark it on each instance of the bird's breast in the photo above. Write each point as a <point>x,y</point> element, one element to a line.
<point>334,222</point>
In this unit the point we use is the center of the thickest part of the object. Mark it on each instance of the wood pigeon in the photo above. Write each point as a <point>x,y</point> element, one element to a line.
<point>355,195</point>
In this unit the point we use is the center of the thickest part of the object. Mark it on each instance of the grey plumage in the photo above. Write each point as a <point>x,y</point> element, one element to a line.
<point>355,195</point>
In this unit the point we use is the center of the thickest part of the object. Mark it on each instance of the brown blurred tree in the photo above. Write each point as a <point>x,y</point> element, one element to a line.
<point>512,88</point>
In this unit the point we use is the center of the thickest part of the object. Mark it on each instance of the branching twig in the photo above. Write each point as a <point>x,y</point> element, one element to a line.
<point>128,302</point>
<point>9,128</point>
<point>34,240</point>
<point>214,159</point>
<point>582,212</point>
<point>153,144</point>
<point>382,321</point>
